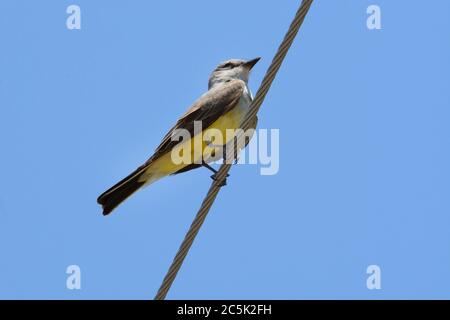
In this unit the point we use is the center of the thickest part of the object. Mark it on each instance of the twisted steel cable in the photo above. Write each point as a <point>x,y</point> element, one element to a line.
<point>225,167</point>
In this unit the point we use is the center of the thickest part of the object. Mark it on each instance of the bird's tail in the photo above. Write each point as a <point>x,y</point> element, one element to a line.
<point>118,193</point>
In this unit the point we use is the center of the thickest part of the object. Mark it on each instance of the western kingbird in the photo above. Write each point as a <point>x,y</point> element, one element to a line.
<point>222,107</point>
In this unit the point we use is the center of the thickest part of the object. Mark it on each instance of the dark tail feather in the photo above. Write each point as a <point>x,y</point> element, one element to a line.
<point>115,195</point>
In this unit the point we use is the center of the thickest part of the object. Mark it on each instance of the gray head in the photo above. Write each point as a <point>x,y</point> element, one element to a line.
<point>230,70</point>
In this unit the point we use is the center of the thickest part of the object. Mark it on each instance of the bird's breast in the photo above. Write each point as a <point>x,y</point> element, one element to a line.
<point>245,100</point>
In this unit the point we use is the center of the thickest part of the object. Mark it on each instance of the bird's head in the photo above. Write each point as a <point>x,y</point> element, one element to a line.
<point>232,69</point>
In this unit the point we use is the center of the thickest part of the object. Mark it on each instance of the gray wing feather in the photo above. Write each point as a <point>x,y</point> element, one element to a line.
<point>212,105</point>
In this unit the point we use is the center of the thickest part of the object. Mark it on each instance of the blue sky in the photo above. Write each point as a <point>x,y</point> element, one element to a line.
<point>364,171</point>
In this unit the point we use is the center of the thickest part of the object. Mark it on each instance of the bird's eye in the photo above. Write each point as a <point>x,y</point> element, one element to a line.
<point>228,65</point>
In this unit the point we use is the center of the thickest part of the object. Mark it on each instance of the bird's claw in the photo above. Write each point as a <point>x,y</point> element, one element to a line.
<point>224,181</point>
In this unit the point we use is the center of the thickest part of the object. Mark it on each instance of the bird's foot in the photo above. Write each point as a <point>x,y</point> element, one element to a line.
<point>223,182</point>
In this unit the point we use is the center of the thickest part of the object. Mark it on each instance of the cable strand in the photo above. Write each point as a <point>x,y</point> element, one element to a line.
<point>225,167</point>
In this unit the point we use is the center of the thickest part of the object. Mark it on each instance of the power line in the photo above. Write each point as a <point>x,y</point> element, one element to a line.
<point>225,167</point>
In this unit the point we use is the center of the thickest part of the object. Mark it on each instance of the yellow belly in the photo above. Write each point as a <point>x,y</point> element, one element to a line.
<point>198,148</point>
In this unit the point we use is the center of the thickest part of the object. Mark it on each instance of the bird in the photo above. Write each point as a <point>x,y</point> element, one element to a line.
<point>223,106</point>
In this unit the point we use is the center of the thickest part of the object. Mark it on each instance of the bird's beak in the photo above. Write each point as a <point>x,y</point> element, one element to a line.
<point>251,63</point>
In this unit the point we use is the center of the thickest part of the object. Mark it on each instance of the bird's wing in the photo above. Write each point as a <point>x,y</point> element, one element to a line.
<point>207,109</point>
